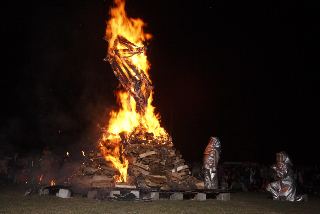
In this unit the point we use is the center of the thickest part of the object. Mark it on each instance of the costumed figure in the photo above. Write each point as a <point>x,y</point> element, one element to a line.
<point>210,163</point>
<point>284,189</point>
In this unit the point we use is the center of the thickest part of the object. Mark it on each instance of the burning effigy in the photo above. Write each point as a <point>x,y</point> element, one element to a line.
<point>134,150</point>
<point>133,79</point>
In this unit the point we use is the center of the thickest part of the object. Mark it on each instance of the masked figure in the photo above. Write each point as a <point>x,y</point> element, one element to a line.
<point>285,188</point>
<point>210,163</point>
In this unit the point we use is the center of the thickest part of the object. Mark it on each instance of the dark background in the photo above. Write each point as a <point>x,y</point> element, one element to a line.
<point>246,72</point>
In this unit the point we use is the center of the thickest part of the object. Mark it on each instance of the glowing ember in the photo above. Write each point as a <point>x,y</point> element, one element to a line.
<point>41,177</point>
<point>67,153</point>
<point>83,153</point>
<point>126,54</point>
<point>52,183</point>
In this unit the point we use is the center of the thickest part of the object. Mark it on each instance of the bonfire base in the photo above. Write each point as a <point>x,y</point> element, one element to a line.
<point>64,193</point>
<point>128,194</point>
<point>224,197</point>
<point>139,195</point>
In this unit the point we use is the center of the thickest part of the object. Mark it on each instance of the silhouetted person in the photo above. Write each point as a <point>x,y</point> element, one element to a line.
<point>210,163</point>
<point>285,188</point>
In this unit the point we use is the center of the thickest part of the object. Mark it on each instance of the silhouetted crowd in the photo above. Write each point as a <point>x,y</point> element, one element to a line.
<point>32,169</point>
<point>255,177</point>
<point>46,167</point>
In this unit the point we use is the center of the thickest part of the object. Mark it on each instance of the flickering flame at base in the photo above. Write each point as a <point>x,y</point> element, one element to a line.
<point>117,158</point>
<point>128,120</point>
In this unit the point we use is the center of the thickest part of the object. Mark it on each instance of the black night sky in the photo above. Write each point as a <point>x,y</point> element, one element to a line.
<point>244,71</point>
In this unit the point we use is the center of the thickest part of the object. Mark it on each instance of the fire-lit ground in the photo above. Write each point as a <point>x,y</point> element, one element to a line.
<point>13,200</point>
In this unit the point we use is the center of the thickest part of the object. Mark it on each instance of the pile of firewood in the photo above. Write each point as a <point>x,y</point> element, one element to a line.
<point>153,164</point>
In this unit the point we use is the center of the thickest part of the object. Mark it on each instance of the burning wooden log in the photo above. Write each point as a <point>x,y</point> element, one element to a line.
<point>138,85</point>
<point>145,167</point>
<point>151,165</point>
<point>142,171</point>
<point>147,154</point>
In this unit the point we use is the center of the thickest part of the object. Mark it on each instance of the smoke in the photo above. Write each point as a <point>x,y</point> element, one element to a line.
<point>63,88</point>
<point>10,132</point>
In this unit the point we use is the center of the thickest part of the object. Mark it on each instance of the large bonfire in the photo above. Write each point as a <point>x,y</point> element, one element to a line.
<point>134,150</point>
<point>136,117</point>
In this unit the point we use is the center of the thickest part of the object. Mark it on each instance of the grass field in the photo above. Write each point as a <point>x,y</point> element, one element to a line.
<point>13,200</point>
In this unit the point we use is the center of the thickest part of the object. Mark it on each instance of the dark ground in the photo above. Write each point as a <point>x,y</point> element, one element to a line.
<point>13,200</point>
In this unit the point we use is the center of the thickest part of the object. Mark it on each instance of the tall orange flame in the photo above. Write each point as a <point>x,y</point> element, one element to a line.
<point>127,119</point>
<point>131,29</point>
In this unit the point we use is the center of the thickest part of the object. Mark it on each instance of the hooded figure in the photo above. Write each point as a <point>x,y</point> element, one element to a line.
<point>210,163</point>
<point>284,189</point>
